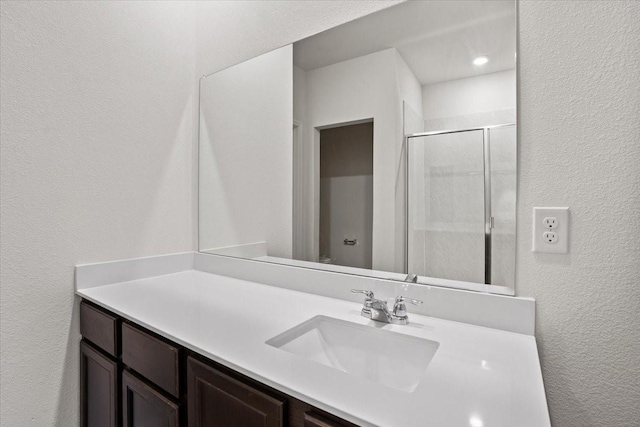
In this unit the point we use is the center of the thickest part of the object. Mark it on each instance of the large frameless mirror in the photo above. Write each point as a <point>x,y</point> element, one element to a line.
<point>384,147</point>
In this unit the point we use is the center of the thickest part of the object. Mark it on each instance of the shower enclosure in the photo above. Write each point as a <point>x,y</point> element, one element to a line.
<point>461,207</point>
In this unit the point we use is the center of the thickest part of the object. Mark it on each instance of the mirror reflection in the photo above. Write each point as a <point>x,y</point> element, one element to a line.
<point>388,149</point>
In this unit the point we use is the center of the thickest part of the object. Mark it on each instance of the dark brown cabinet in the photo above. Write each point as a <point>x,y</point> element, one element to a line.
<point>313,419</point>
<point>142,406</point>
<point>99,327</point>
<point>132,377</point>
<point>218,400</point>
<point>151,357</point>
<point>98,388</point>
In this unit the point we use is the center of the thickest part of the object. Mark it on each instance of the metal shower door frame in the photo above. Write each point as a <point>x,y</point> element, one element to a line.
<point>488,218</point>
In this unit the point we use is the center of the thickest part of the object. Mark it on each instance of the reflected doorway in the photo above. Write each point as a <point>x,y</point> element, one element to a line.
<point>346,195</point>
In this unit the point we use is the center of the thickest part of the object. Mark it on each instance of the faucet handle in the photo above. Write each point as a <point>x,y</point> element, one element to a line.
<point>367,294</point>
<point>366,308</point>
<point>400,309</point>
<point>400,299</point>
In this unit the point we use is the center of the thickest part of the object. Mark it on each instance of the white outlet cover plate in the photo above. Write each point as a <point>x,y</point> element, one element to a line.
<point>562,230</point>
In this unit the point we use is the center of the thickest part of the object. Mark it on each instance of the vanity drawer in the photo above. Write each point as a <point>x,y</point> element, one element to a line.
<point>151,357</point>
<point>99,327</point>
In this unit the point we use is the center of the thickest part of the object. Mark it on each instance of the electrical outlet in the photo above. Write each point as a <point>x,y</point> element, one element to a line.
<point>551,230</point>
<point>550,237</point>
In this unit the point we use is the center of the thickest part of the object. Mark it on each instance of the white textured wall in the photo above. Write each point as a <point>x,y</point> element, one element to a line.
<point>579,103</point>
<point>579,146</point>
<point>96,165</point>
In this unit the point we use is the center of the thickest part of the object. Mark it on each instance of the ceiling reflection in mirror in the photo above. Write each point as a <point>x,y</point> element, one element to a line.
<point>383,147</point>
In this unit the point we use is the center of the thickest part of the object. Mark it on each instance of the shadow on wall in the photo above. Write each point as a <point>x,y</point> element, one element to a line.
<point>70,372</point>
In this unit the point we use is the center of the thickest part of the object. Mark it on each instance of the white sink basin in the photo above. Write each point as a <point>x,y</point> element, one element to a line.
<point>389,358</point>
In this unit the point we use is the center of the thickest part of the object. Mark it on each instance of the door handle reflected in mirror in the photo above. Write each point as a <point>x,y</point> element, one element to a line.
<point>350,242</point>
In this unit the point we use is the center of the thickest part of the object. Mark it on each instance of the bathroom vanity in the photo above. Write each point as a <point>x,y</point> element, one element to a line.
<point>187,340</point>
<point>134,377</point>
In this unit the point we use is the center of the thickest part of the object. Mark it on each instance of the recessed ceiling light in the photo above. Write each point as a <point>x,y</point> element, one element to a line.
<point>480,60</point>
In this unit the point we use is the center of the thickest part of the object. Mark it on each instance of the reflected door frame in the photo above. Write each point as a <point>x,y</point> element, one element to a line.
<point>315,162</point>
<point>298,233</point>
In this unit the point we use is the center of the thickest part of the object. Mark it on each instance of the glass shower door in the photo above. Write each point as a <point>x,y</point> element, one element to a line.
<point>446,206</point>
<point>503,154</point>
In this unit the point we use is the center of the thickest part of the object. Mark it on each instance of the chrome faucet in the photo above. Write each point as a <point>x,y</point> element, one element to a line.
<point>377,310</point>
<point>411,278</point>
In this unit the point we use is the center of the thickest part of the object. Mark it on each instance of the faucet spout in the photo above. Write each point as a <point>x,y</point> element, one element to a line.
<point>380,311</point>
<point>411,278</point>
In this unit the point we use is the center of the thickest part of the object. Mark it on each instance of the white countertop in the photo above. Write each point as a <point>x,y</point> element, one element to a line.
<point>479,377</point>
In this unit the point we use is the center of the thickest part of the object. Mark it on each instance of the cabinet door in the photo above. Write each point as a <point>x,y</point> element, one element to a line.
<point>98,388</point>
<point>218,400</point>
<point>314,419</point>
<point>142,406</point>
